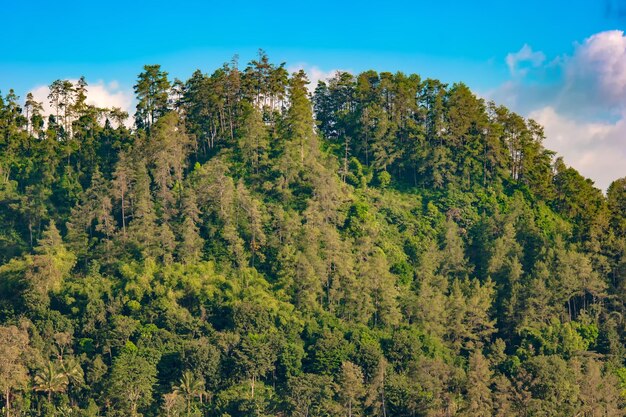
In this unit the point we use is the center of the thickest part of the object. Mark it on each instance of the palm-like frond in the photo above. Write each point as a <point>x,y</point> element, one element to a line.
<point>189,388</point>
<point>189,385</point>
<point>73,372</point>
<point>50,379</point>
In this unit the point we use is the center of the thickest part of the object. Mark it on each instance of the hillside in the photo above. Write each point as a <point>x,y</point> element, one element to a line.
<point>386,246</point>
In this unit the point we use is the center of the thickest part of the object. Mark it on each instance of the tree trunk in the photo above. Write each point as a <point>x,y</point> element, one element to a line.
<point>569,309</point>
<point>123,215</point>
<point>382,395</point>
<point>8,401</point>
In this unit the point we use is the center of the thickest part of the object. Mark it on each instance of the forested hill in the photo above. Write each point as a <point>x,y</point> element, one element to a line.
<point>386,246</point>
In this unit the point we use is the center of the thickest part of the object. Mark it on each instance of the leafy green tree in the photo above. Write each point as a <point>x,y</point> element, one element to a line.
<point>131,382</point>
<point>255,357</point>
<point>191,244</point>
<point>300,139</point>
<point>616,200</point>
<point>152,91</point>
<point>388,246</point>
<point>253,142</point>
<point>50,265</point>
<point>552,386</point>
<point>312,394</point>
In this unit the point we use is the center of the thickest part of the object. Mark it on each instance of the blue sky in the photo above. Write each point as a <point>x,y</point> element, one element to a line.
<point>450,40</point>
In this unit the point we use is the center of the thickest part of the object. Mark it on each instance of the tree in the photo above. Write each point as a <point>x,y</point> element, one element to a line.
<point>616,200</point>
<point>73,371</point>
<point>92,215</point>
<point>190,387</point>
<point>143,231</point>
<point>131,381</point>
<point>312,395</point>
<point>551,382</point>
<point>50,380</point>
<point>172,404</point>
<point>575,278</point>
<point>469,324</point>
<point>300,139</point>
<point>152,91</point>
<point>166,157</point>
<point>398,247</point>
<point>380,283</point>
<point>375,397</point>
<point>453,261</point>
<point>190,246</point>
<point>429,305</point>
<point>121,184</point>
<point>599,391</point>
<point>505,269</point>
<point>255,357</point>
<point>253,141</point>
<point>62,100</point>
<point>33,113</point>
<point>14,345</point>
<point>50,265</point>
<point>479,378</point>
<point>351,387</point>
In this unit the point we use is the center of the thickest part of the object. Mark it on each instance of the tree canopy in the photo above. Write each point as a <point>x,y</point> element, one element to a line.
<point>387,245</point>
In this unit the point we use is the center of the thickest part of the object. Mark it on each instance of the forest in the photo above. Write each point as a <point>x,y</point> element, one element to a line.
<point>380,244</point>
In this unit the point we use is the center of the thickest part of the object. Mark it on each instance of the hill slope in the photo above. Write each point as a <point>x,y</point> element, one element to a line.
<point>388,246</point>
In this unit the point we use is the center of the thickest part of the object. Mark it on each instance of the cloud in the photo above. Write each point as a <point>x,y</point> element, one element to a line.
<point>315,74</point>
<point>99,94</point>
<point>597,70</point>
<point>580,99</point>
<point>516,60</point>
<point>596,149</point>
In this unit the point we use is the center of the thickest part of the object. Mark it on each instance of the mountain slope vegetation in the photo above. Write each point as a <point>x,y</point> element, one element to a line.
<point>387,245</point>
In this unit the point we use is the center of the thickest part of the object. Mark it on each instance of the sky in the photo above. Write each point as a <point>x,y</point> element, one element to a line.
<point>562,63</point>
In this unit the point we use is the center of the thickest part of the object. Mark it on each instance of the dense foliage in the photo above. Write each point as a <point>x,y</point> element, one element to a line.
<point>386,246</point>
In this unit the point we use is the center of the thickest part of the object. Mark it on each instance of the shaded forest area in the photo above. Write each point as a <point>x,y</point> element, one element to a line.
<point>386,246</point>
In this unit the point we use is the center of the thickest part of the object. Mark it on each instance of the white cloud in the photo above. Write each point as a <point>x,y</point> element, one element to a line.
<point>579,98</point>
<point>526,55</point>
<point>596,149</point>
<point>99,94</point>
<point>597,70</point>
<point>315,74</point>
<point>110,95</point>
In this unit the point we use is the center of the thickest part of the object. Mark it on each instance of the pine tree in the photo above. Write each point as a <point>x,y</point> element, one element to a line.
<point>479,378</point>
<point>300,146</point>
<point>351,387</point>
<point>50,266</point>
<point>190,244</point>
<point>152,91</point>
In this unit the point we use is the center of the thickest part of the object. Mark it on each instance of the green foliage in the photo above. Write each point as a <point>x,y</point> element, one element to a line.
<point>386,246</point>
<point>131,380</point>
